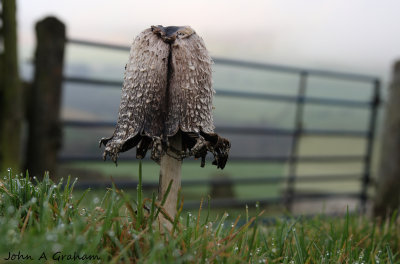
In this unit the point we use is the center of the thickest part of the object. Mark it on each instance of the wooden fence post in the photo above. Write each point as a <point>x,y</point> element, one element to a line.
<point>387,198</point>
<point>10,90</point>
<point>45,128</point>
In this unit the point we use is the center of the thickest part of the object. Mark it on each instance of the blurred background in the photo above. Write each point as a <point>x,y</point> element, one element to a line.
<point>298,91</point>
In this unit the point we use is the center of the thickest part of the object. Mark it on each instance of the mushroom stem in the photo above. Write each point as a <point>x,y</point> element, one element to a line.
<point>170,171</point>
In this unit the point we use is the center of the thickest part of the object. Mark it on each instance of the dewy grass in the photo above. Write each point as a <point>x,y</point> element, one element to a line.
<point>42,221</point>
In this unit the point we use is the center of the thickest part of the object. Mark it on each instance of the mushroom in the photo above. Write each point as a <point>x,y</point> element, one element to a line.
<point>166,106</point>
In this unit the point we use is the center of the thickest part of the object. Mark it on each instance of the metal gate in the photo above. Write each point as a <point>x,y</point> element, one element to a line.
<point>300,101</point>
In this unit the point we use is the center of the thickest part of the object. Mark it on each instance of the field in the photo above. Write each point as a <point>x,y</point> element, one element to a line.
<point>45,223</point>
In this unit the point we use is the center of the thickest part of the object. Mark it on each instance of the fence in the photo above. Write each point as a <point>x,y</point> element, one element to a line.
<point>300,100</point>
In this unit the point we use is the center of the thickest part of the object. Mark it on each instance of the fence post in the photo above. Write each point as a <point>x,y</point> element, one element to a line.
<point>10,90</point>
<point>387,198</point>
<point>298,123</point>
<point>45,128</point>
<point>369,148</point>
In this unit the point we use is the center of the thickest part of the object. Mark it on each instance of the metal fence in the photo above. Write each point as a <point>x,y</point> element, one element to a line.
<point>300,100</point>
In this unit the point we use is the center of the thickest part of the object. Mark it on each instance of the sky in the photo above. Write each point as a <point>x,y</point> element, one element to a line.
<point>360,36</point>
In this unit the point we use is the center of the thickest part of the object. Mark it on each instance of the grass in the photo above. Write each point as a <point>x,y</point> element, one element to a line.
<point>44,217</point>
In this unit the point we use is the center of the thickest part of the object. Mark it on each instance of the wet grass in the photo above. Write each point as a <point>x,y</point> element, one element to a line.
<point>43,217</point>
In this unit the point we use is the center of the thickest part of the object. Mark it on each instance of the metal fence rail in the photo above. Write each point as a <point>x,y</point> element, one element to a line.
<point>242,181</point>
<point>247,64</point>
<point>293,159</point>
<point>247,95</point>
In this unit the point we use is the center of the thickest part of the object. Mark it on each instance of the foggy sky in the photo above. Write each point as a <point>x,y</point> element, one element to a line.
<point>359,36</point>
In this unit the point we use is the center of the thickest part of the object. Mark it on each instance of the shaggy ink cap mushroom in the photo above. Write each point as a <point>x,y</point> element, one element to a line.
<point>167,89</point>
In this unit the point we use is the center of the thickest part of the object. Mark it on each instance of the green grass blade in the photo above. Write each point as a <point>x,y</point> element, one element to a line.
<point>139,199</point>
<point>390,254</point>
<point>299,247</point>
<point>164,199</point>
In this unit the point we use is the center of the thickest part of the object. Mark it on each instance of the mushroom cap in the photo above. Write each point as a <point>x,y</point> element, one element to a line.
<point>167,88</point>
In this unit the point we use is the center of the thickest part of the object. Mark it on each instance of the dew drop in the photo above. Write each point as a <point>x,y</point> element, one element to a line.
<point>83,212</point>
<point>96,200</point>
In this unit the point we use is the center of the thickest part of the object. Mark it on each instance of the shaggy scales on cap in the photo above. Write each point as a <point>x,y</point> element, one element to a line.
<point>167,90</point>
